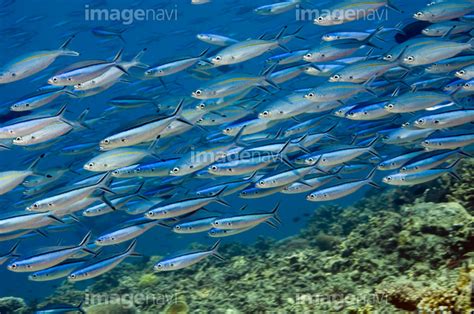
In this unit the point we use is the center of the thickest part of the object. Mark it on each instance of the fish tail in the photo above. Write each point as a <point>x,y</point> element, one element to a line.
<point>371,146</point>
<point>370,178</point>
<point>373,35</point>
<point>131,248</point>
<point>471,43</point>
<point>118,56</point>
<point>86,239</point>
<point>35,162</point>
<point>203,54</point>
<point>136,60</point>
<point>103,182</point>
<point>12,252</point>
<point>390,5</point>
<point>452,169</point>
<point>61,111</point>
<point>275,213</point>
<point>67,42</point>
<point>81,120</point>
<point>282,31</point>
<point>213,250</point>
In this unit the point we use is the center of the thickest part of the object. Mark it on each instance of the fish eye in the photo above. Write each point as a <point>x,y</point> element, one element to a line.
<point>116,172</point>
<point>311,95</point>
<point>262,183</point>
<point>389,178</point>
<point>198,92</point>
<point>106,141</point>
<point>124,140</point>
<point>320,18</point>
<point>150,213</point>
<point>176,169</point>
<point>311,159</point>
<point>419,14</point>
<point>13,74</point>
<point>72,276</point>
<point>227,130</point>
<point>214,168</point>
<point>55,79</point>
<point>13,266</point>
<point>265,113</point>
<point>202,106</point>
<point>311,196</point>
<point>436,121</point>
<point>411,58</point>
<point>50,204</point>
<point>390,106</point>
<point>336,77</point>
<point>308,55</point>
<point>69,79</point>
<point>18,138</point>
<point>218,58</point>
<point>420,121</point>
<point>462,72</point>
<point>91,164</point>
<point>178,227</point>
<point>388,57</point>
<point>467,85</point>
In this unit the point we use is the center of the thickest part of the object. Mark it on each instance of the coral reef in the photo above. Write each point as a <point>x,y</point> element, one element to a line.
<point>396,251</point>
<point>13,305</point>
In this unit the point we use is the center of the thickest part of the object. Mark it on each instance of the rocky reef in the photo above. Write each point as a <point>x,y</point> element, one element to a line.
<point>399,251</point>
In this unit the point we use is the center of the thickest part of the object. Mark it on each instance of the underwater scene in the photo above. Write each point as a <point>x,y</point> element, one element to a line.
<point>217,156</point>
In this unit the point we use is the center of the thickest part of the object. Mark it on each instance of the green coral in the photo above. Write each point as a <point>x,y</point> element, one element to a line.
<point>148,280</point>
<point>13,305</point>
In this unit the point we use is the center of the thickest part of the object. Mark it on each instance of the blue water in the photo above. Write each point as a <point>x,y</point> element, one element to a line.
<point>27,26</point>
